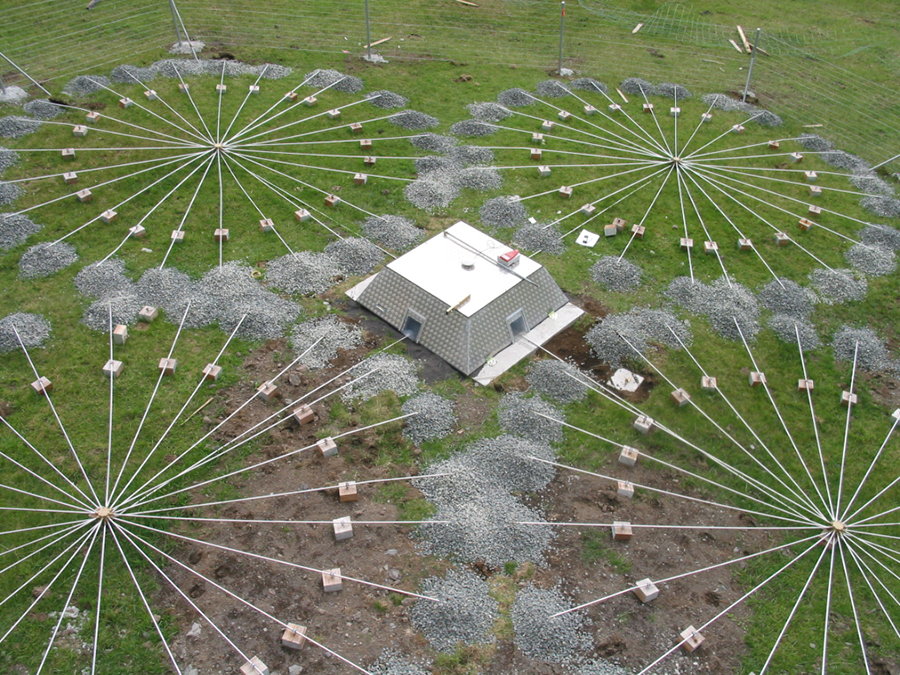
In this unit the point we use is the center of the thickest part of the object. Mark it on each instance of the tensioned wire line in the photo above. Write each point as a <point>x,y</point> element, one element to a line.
<point>718,138</point>
<point>208,161</point>
<point>590,181</point>
<point>649,208</point>
<point>306,134</point>
<point>684,222</point>
<point>872,464</point>
<point>703,120</point>
<point>859,634</point>
<point>851,396</point>
<point>186,89</point>
<point>155,160</point>
<point>97,609</point>
<point>868,574</point>
<point>246,98</point>
<point>656,122</point>
<point>250,155</point>
<point>56,536</point>
<point>681,177</point>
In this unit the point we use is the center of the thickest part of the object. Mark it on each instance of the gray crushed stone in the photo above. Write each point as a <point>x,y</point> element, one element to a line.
<point>471,155</point>
<point>515,98</point>
<point>42,109</point>
<point>435,418</point>
<point>393,232</point>
<point>836,286</point>
<point>844,160</point>
<point>9,192</point>
<point>8,158</point>
<point>814,142</point>
<point>552,89</point>
<point>616,275</point>
<point>414,120</point>
<point>720,303</point>
<point>472,128</point>
<point>557,380</point>
<point>84,85</point>
<point>101,280</point>
<point>539,237</point>
<point>521,416</point>
<point>488,112</point>
<point>392,662</point>
<point>389,372</point>
<point>324,77</point>
<point>126,74</point>
<point>562,639</point>
<point>881,236</point>
<point>332,334</point>
<point>588,84</point>
<point>303,272</point>
<point>600,667</point>
<point>480,178</point>
<point>873,353</point>
<point>872,183</point>
<point>783,325</point>
<point>503,212</point>
<point>637,86</point>
<point>430,193</point>
<point>13,126</point>
<point>386,99</point>
<point>174,68</point>
<point>33,331</point>
<point>675,91</point>
<point>15,228</point>
<point>872,260</point>
<point>42,260</point>
<point>354,255</point>
<point>436,163</point>
<point>642,327</point>
<point>465,614</point>
<point>881,205</point>
<point>433,142</point>
<point>788,298</point>
<point>724,102</point>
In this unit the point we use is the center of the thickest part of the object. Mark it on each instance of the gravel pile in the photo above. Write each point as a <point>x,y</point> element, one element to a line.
<point>102,279</point>
<point>42,109</point>
<point>126,74</point>
<point>17,127</point>
<point>557,380</point>
<point>33,330</point>
<point>433,142</point>
<point>303,272</point>
<point>616,275</point>
<point>9,192</point>
<point>670,90</point>
<point>836,286</point>
<point>392,662</point>
<point>552,89</point>
<point>42,260</point>
<point>389,373</point>
<point>814,142</point>
<point>414,120</point>
<point>503,212</point>
<point>600,667</point>
<point>354,255</point>
<point>393,232</point>
<point>480,178</point>
<point>488,112</point>
<point>521,416</point>
<point>124,309</point>
<point>187,67</point>
<point>436,418</point>
<point>561,639</point>
<point>872,183</point>
<point>588,84</point>
<point>873,353</point>
<point>724,102</point>
<point>434,164</point>
<point>539,237</point>
<point>719,302</point>
<point>515,98</point>
<point>471,155</point>
<point>386,99</point>
<point>787,298</point>
<point>783,325</point>
<point>466,613</point>
<point>323,78</point>
<point>636,87</point>
<point>871,260</point>
<point>8,158</point>
<point>83,85</point>
<point>844,160</point>
<point>879,205</point>
<point>640,327</point>
<point>334,335</point>
<point>429,194</point>
<point>472,128</point>
<point>881,236</point>
<point>15,229</point>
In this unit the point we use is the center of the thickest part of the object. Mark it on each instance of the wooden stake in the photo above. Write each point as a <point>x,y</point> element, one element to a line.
<point>637,28</point>
<point>624,98</point>
<point>735,45</point>
<point>378,42</point>
<point>466,2</point>
<point>208,401</point>
<point>744,39</point>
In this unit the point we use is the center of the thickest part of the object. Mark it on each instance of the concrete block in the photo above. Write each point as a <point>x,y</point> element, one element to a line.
<point>184,87</point>
<point>847,398</point>
<point>108,216</point>
<point>686,243</point>
<point>254,89</point>
<point>774,145</point>
<point>610,230</point>
<point>267,391</point>
<point>151,95</point>
<point>112,368</point>
<point>814,211</point>
<point>738,129</point>
<point>254,667</point>
<point>547,126</point>
<point>137,232</point>
<point>68,153</point>
<point>266,225</point>
<point>332,200</point>
<point>537,139</point>
<point>896,414</point>
<point>365,144</point>
<point>619,223</point>
<point>795,157</point>
<point>536,153</point>
<point>691,639</point>
<point>543,170</point>
<point>745,244</point>
<point>302,215</point>
<point>614,107</point>
<point>680,397</point>
<point>675,111</point>
<point>70,178</point>
<point>647,107</point>
<point>621,530</point>
<point>565,192</point>
<point>628,455</point>
<point>120,334</point>
<point>177,236</point>
<point>291,96</point>
<point>588,209</point>
<point>92,117</point>
<point>369,161</point>
<point>815,191</point>
<point>781,239</point>
<point>304,415</point>
<point>625,489</point>
<point>327,447</point>
<point>79,131</point>
<point>356,128</point>
<point>347,492</point>
<point>310,101</point>
<point>85,196</point>
<point>334,114</point>
<point>125,103</point>
<point>805,385</point>
<point>167,366</point>
<point>705,117</point>
<point>294,636</point>
<point>590,110</point>
<point>646,591</point>
<point>331,580</point>
<point>756,378</point>
<point>343,528</point>
<point>710,247</point>
<point>147,314</point>
<point>638,231</point>
<point>211,372</point>
<point>810,176</point>
<point>221,89</point>
<point>42,386</point>
<point>804,224</point>
<point>360,179</point>
<point>643,424</point>
<point>708,383</point>
<point>221,234</point>
<point>564,115</point>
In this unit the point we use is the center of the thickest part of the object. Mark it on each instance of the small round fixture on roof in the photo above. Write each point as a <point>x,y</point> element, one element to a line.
<point>468,263</point>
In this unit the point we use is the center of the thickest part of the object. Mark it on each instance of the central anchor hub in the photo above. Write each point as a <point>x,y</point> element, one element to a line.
<point>103,513</point>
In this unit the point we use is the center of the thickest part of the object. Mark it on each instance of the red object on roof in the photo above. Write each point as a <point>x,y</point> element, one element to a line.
<point>509,257</point>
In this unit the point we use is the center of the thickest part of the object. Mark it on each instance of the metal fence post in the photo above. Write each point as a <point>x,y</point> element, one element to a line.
<point>562,27</point>
<point>368,35</point>
<point>752,61</point>
<point>175,20</point>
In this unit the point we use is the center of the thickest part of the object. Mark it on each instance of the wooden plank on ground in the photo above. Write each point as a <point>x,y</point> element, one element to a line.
<point>466,2</point>
<point>624,98</point>
<point>637,28</point>
<point>747,46</point>
<point>735,45</point>
<point>378,42</point>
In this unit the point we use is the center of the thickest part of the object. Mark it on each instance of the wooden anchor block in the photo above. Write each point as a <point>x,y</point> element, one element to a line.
<point>565,192</point>
<point>84,196</point>
<point>805,385</point>
<point>167,366</point>
<point>347,492</point>
<point>327,447</point>
<point>643,424</point>
<point>42,386</point>
<point>692,639</point>
<point>302,215</point>
<point>254,666</point>
<point>147,314</point>
<point>756,378</point>
<point>221,234</point>
<point>211,372</point>
<point>294,636</point>
<point>332,580</point>
<point>680,397</point>
<point>646,591</point>
<point>686,243</point>
<point>847,398</point>
<point>120,334</point>
<point>621,530</point>
<point>648,107</point>
<point>343,528</point>
<point>304,415</point>
<point>267,391</point>
<point>79,131</point>
<point>112,368</point>
<point>266,225</point>
<point>708,383</point>
<point>625,489</point>
<point>628,455</point>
